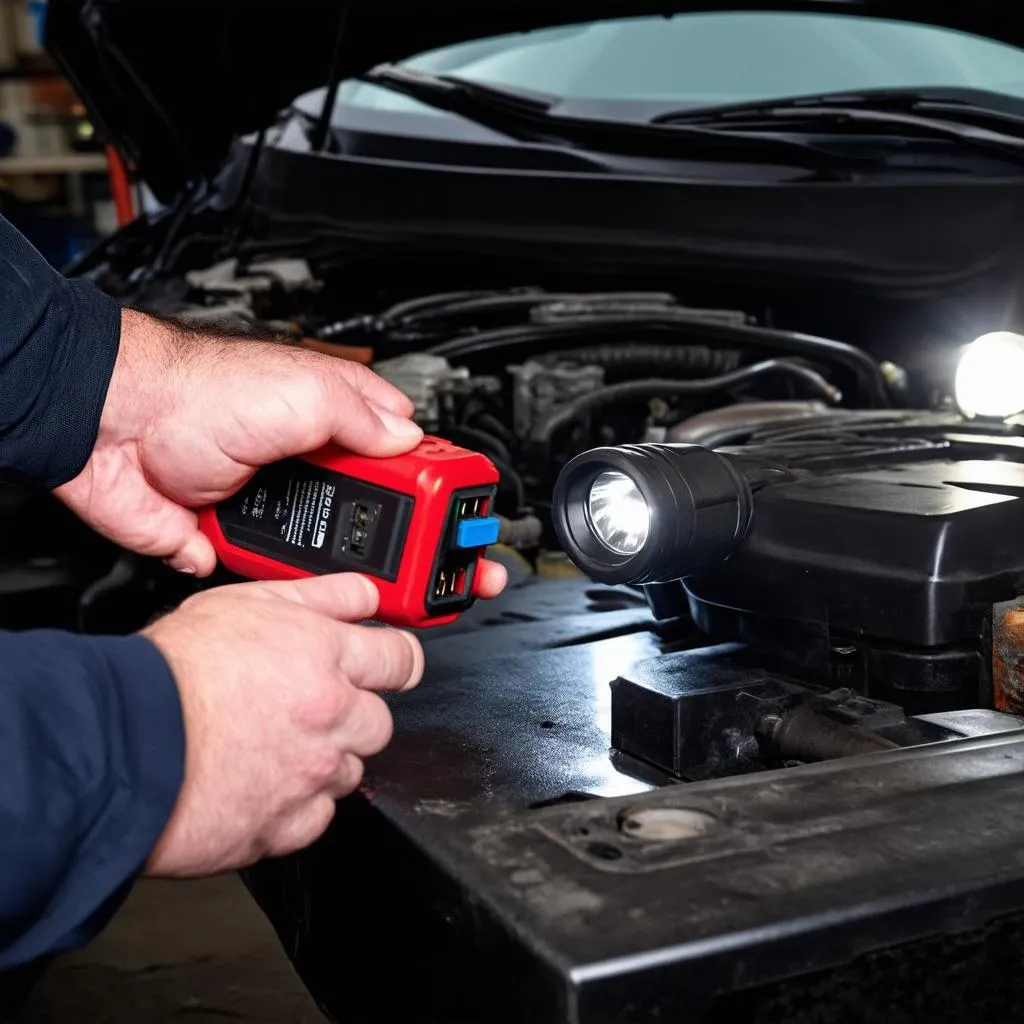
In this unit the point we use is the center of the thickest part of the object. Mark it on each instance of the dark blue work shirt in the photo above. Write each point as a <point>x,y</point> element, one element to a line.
<point>92,743</point>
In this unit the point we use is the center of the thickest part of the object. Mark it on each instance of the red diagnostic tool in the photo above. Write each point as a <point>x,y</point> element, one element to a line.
<point>417,524</point>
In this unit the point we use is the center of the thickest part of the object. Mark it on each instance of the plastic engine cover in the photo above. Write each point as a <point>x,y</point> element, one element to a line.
<point>900,535</point>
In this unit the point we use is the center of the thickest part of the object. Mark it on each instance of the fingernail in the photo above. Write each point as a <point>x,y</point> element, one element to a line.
<point>417,667</point>
<point>371,590</point>
<point>188,570</point>
<point>397,425</point>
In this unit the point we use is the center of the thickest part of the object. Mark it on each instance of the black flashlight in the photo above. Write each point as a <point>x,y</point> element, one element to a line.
<point>650,513</point>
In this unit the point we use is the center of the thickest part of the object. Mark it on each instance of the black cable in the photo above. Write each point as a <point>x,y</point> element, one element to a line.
<point>478,439</point>
<point>177,215</point>
<point>510,477</point>
<point>174,256</point>
<point>242,204</point>
<point>470,409</point>
<point>654,388</point>
<point>868,375</point>
<point>493,425</point>
<point>497,452</point>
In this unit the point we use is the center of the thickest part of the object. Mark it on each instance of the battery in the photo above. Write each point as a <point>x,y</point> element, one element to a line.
<point>417,524</point>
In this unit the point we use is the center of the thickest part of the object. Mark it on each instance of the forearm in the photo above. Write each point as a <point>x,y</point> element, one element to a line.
<point>58,344</point>
<point>92,753</point>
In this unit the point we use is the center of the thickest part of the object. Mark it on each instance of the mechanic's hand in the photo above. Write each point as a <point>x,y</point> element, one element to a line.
<point>190,417</point>
<point>277,687</point>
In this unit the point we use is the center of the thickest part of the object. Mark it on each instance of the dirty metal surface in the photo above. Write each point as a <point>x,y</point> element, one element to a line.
<point>513,869</point>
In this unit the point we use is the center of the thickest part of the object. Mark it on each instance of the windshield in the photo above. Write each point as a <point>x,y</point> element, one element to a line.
<point>716,58</point>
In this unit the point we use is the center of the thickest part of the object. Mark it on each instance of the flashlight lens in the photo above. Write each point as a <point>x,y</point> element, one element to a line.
<point>620,517</point>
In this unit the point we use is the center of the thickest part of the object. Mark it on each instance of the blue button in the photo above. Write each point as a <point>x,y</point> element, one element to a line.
<point>477,533</point>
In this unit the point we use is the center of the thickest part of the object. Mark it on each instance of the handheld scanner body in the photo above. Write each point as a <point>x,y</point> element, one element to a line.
<point>416,524</point>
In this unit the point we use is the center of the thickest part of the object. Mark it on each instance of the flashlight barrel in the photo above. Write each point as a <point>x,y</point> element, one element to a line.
<point>416,524</point>
<point>700,507</point>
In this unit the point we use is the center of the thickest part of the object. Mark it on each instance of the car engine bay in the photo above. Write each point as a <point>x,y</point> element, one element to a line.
<point>879,553</point>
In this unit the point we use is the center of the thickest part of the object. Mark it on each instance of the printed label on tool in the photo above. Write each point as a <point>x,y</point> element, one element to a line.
<point>300,510</point>
<point>318,520</point>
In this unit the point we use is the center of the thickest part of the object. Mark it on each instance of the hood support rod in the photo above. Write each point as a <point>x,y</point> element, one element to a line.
<point>322,128</point>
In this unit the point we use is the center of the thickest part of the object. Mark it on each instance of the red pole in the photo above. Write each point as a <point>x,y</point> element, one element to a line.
<point>120,187</point>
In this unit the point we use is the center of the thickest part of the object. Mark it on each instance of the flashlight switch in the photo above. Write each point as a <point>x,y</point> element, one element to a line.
<point>477,533</point>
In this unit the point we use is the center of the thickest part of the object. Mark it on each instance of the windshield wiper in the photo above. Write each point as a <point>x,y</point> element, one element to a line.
<point>961,105</point>
<point>961,116</point>
<point>531,120</point>
<point>447,89</point>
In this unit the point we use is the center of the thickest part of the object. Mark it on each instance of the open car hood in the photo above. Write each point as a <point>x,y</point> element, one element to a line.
<point>172,82</point>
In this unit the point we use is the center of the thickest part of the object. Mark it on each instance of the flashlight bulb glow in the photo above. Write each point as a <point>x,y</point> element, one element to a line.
<point>990,376</point>
<point>619,515</point>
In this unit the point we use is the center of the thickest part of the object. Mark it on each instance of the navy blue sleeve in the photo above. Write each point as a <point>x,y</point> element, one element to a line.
<point>92,742</point>
<point>92,749</point>
<point>58,342</point>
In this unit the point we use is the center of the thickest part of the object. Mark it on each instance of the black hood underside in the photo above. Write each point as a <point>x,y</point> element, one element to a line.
<point>173,82</point>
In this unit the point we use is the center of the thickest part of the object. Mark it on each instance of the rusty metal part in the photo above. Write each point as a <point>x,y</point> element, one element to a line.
<point>1008,656</point>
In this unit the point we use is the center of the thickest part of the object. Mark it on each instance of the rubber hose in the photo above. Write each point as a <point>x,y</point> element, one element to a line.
<point>655,388</point>
<point>651,358</point>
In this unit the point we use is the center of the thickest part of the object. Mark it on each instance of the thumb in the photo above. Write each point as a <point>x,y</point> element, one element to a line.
<point>345,597</point>
<point>142,520</point>
<point>195,556</point>
<point>172,533</point>
<point>166,530</point>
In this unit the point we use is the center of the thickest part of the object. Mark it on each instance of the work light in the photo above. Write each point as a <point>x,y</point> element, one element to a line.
<point>990,377</point>
<point>650,513</point>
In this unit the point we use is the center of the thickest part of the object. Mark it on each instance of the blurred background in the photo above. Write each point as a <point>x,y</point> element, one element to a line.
<point>55,171</point>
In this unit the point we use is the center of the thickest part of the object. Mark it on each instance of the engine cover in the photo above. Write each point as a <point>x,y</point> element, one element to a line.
<point>877,548</point>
